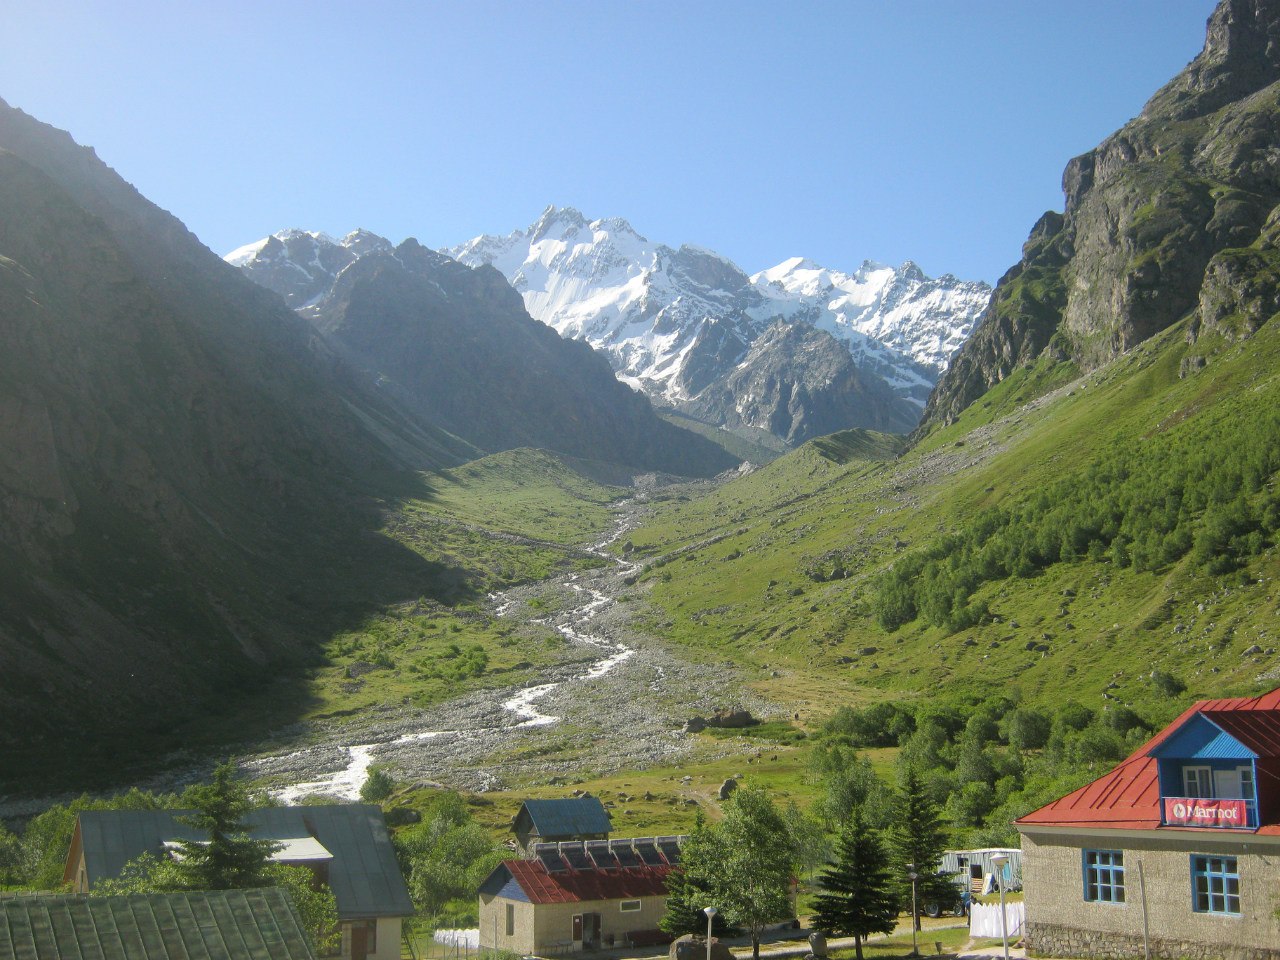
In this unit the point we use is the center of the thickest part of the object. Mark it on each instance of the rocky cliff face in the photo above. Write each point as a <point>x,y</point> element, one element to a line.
<point>1172,217</point>
<point>798,383</point>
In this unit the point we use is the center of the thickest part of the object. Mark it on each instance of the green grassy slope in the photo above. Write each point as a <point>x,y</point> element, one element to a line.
<point>510,518</point>
<point>778,570</point>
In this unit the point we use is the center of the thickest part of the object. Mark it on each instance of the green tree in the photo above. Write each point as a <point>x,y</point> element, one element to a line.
<point>445,859</point>
<point>692,886</point>
<point>809,844</point>
<point>754,884</point>
<point>858,894</point>
<point>10,857</point>
<point>377,785</point>
<point>1027,728</point>
<point>849,782</point>
<point>229,858</point>
<point>917,841</point>
<point>317,907</point>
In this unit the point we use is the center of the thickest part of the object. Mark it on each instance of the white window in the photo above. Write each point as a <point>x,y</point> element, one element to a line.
<point>1197,781</point>
<point>1246,783</point>
<point>629,906</point>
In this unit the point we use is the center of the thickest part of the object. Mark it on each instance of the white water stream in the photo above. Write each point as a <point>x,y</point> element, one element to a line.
<point>345,782</point>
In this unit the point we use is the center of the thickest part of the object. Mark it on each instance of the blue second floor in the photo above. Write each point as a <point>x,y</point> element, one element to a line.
<point>1208,778</point>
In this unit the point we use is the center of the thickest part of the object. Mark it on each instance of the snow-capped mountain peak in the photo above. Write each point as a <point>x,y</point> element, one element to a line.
<point>685,324</point>
<point>647,306</point>
<point>301,265</point>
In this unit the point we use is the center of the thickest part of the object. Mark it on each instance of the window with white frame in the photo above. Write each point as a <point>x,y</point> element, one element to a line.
<point>629,906</point>
<point>1215,885</point>
<point>1197,781</point>
<point>1104,876</point>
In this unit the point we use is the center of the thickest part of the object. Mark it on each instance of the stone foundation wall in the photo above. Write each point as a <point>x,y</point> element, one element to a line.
<point>1055,940</point>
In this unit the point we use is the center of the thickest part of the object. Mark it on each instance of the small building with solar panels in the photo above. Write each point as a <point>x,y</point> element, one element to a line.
<point>578,895</point>
<point>560,820</point>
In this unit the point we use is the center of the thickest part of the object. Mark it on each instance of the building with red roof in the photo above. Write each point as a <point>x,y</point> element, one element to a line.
<point>578,895</point>
<point>1176,850</point>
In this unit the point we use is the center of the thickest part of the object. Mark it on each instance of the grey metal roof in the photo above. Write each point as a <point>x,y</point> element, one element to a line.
<point>364,874</point>
<point>567,817</point>
<point>205,925</point>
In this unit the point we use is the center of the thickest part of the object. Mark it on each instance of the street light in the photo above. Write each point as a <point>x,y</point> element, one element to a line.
<point>998,860</point>
<point>915,916</point>
<point>711,915</point>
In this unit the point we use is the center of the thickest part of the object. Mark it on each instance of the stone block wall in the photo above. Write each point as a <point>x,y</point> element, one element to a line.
<point>1061,923</point>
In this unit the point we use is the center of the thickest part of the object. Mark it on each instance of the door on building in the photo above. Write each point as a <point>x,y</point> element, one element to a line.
<point>363,939</point>
<point>591,929</point>
<point>577,930</point>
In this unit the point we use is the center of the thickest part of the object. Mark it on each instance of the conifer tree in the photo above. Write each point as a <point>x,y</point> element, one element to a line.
<point>917,841</point>
<point>230,858</point>
<point>859,897</point>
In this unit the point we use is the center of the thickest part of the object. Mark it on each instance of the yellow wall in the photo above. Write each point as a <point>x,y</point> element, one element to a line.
<point>549,926</point>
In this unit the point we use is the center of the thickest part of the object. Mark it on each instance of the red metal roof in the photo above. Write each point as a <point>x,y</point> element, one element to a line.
<point>573,886</point>
<point>1128,797</point>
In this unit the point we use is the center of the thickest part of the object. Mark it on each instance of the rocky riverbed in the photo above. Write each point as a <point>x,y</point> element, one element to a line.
<point>618,700</point>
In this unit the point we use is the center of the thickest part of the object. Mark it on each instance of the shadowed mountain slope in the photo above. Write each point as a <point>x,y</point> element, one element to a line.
<point>191,484</point>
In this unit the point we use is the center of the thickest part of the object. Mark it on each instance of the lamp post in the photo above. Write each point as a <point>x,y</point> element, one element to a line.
<point>711,915</point>
<point>998,860</point>
<point>915,915</point>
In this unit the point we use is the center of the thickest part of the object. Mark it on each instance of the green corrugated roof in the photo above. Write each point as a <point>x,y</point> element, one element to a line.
<point>206,925</point>
<point>567,817</point>
<point>364,874</point>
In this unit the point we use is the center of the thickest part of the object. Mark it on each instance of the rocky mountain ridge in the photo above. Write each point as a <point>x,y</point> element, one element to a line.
<point>687,327</point>
<point>455,346</point>
<point>1175,216</point>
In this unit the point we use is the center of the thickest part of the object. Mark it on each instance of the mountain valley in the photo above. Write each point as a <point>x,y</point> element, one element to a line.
<point>375,493</point>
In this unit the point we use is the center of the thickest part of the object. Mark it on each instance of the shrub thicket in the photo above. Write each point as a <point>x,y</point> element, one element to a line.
<point>1206,491</point>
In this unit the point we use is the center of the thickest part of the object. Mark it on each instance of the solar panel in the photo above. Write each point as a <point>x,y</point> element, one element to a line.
<point>552,861</point>
<point>599,852</point>
<point>670,848</point>
<point>648,852</point>
<point>622,850</point>
<point>576,856</point>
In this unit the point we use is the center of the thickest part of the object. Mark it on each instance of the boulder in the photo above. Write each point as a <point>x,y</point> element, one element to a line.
<point>818,944</point>
<point>727,788</point>
<point>732,719</point>
<point>690,947</point>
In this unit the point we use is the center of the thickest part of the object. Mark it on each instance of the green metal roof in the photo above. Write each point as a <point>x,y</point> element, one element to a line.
<point>364,874</point>
<point>205,925</point>
<point>567,818</point>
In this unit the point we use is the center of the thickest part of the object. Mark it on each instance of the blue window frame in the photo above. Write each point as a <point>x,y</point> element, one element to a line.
<point>1215,885</point>
<point>1104,876</point>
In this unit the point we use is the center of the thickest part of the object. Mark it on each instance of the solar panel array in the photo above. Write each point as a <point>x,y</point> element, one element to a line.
<point>609,854</point>
<point>670,847</point>
<point>551,859</point>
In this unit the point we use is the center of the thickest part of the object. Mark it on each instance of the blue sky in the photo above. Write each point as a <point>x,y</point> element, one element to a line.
<point>884,129</point>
